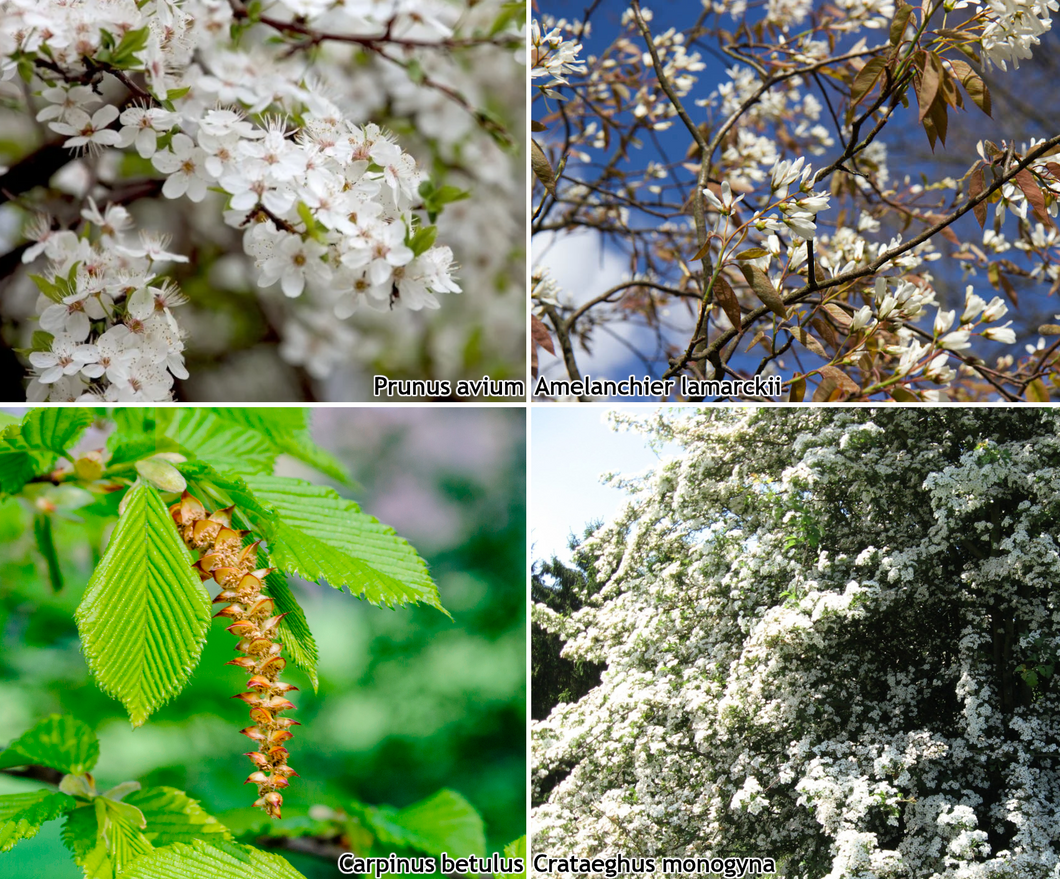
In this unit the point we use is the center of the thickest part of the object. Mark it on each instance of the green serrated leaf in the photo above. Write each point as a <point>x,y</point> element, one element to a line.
<point>172,816</point>
<point>200,860</point>
<point>205,434</point>
<point>321,536</point>
<point>23,815</point>
<point>126,449</point>
<point>516,849</point>
<point>287,431</point>
<point>42,531</point>
<point>144,616</point>
<point>444,822</point>
<point>55,429</point>
<point>58,741</point>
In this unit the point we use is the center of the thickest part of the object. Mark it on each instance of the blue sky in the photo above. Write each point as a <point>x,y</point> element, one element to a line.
<point>569,448</point>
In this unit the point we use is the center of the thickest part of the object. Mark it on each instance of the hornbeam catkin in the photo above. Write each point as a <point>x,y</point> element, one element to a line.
<point>225,560</point>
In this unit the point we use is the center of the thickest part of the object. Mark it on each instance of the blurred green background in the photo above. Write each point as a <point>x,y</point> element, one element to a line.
<point>409,701</point>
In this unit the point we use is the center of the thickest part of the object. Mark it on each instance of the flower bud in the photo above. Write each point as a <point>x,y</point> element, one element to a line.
<point>252,732</point>
<point>257,778</point>
<point>257,758</point>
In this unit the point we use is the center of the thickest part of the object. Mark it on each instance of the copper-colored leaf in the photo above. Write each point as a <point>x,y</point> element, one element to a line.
<point>1049,330</point>
<point>866,79</point>
<point>1037,392</point>
<point>726,298</point>
<point>704,250</point>
<point>975,189</point>
<point>752,253</point>
<point>825,329</point>
<point>539,338</point>
<point>841,318</point>
<point>939,120</point>
<point>973,84</point>
<point>764,290</point>
<point>899,22</point>
<point>798,390</point>
<point>809,342</point>
<point>838,381</point>
<point>542,168</point>
<point>931,74</point>
<point>903,395</point>
<point>537,126</point>
<point>1026,182</point>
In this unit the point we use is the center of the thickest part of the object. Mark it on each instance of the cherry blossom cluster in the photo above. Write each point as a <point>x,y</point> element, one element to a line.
<point>107,329</point>
<point>829,635</point>
<point>331,211</point>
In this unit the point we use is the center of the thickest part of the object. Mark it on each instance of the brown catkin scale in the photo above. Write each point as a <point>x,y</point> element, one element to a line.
<point>233,566</point>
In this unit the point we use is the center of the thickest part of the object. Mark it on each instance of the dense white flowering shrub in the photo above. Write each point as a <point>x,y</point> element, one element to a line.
<point>768,232</point>
<point>259,113</point>
<point>830,638</point>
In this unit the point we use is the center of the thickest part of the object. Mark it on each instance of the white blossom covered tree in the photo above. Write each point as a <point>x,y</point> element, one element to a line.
<point>830,638</point>
<point>278,169</point>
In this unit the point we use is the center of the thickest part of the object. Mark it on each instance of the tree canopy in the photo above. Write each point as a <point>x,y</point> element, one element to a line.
<point>830,639</point>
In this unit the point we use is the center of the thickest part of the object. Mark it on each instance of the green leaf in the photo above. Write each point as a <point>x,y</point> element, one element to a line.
<point>30,448</point>
<point>145,614</point>
<point>287,430</point>
<point>42,530</point>
<point>17,466</point>
<point>58,741</point>
<point>131,43</point>
<point>445,822</point>
<point>320,536</point>
<point>172,816</point>
<point>126,449</point>
<point>55,429</point>
<point>200,860</point>
<point>516,849</point>
<point>224,443</point>
<point>423,239</point>
<point>23,815</point>
<point>105,839</point>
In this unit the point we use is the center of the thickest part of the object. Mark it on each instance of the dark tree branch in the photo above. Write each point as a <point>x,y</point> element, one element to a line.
<point>36,773</point>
